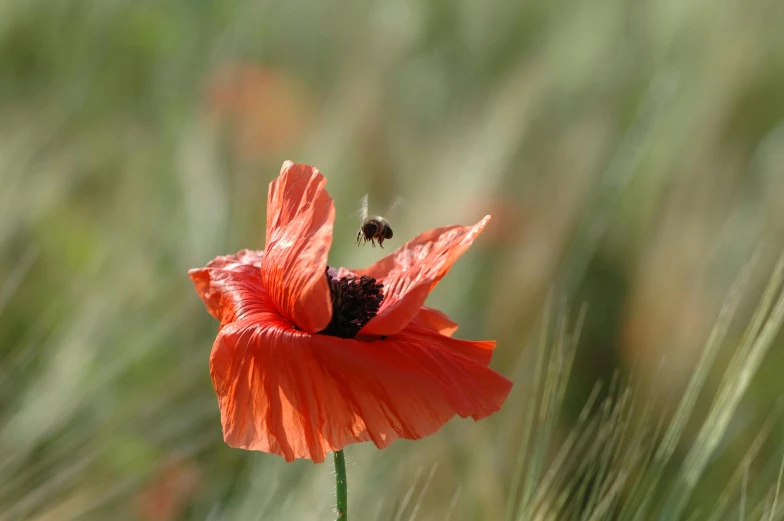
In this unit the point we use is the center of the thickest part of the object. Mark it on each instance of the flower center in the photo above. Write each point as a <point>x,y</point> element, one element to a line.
<point>354,302</point>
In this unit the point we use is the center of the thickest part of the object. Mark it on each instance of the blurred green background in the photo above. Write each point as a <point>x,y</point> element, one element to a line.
<point>631,153</point>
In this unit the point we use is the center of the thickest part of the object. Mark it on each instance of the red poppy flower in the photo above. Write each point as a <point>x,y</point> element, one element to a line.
<point>308,361</point>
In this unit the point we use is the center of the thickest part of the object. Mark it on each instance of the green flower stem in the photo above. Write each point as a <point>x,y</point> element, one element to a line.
<point>342,485</point>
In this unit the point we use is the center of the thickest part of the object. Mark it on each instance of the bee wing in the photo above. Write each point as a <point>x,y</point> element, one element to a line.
<point>363,208</point>
<point>394,207</point>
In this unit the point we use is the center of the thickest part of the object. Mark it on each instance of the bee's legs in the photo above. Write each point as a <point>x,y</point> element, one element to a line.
<point>381,242</point>
<point>359,237</point>
<point>373,242</point>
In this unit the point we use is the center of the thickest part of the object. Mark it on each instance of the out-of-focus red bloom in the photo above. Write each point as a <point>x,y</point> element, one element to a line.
<point>167,495</point>
<point>509,218</point>
<point>307,362</point>
<point>264,109</point>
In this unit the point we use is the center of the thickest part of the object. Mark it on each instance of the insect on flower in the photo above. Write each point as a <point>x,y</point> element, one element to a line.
<point>309,358</point>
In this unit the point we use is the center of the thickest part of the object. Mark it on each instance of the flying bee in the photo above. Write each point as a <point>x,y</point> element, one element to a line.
<point>374,227</point>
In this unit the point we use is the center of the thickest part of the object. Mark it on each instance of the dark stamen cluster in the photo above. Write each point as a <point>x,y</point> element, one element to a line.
<point>354,302</point>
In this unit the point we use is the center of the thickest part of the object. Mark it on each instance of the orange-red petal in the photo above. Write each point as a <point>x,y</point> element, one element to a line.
<point>300,215</point>
<point>435,320</point>
<point>410,273</point>
<point>286,392</point>
<point>231,285</point>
